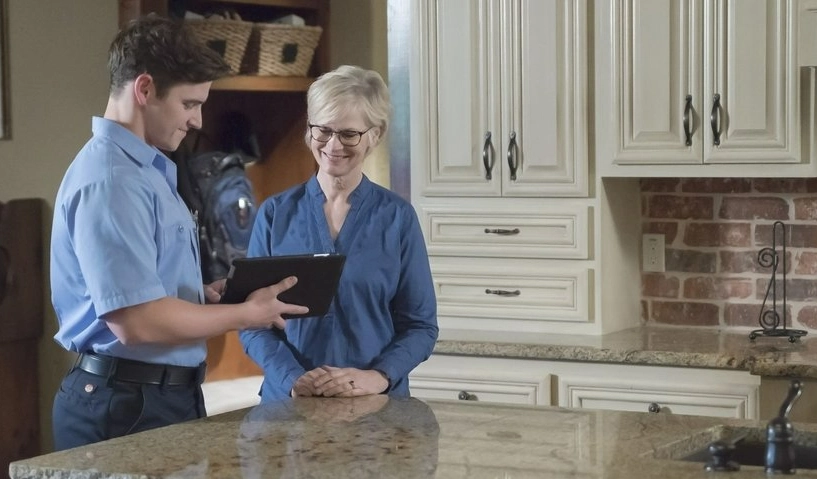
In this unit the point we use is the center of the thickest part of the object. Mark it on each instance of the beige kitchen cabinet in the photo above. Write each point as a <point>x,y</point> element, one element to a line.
<point>518,295</point>
<point>701,88</point>
<point>499,171</point>
<point>575,384</point>
<point>672,390</point>
<point>508,381</point>
<point>501,98</point>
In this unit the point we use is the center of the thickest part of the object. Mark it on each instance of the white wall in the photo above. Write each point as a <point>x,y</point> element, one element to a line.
<point>58,80</point>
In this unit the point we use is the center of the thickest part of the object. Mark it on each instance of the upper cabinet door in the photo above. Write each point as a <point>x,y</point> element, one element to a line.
<point>500,95</point>
<point>696,87</point>
<point>751,82</point>
<point>544,98</point>
<point>656,81</point>
<point>458,98</point>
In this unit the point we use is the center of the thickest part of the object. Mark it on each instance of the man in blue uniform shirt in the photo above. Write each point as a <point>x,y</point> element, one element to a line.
<point>125,275</point>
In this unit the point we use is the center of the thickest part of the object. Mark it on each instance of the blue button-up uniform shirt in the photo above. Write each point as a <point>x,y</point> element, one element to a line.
<point>121,236</point>
<point>384,315</point>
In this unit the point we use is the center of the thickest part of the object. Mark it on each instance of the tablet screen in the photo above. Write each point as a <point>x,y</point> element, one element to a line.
<point>318,277</point>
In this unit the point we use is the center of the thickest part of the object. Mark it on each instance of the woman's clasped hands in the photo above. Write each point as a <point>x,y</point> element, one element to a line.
<point>329,381</point>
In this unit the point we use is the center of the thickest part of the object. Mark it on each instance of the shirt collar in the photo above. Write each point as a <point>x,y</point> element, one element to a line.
<point>135,147</point>
<point>363,189</point>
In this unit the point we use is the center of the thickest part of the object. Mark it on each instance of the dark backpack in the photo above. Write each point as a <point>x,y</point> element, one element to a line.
<point>215,187</point>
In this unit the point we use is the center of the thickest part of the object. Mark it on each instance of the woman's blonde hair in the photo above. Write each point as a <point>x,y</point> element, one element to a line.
<point>349,88</point>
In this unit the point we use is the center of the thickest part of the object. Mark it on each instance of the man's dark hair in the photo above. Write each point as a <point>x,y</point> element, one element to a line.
<point>164,49</point>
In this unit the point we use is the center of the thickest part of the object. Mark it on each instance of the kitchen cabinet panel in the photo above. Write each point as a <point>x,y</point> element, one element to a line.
<point>698,87</point>
<point>536,230</point>
<point>499,170</point>
<point>510,295</point>
<point>699,392</point>
<point>576,384</point>
<point>481,379</point>
<point>501,98</point>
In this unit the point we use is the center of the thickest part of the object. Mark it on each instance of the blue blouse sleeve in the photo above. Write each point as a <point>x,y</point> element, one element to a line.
<point>414,307</point>
<point>269,348</point>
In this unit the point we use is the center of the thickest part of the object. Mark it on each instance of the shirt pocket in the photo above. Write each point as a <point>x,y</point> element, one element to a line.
<point>178,251</point>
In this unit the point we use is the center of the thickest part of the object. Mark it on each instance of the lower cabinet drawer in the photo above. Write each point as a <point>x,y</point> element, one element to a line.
<point>506,381</point>
<point>511,294</point>
<point>698,392</point>
<point>659,402</point>
<point>498,392</point>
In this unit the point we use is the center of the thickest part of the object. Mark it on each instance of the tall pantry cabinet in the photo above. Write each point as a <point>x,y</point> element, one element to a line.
<point>499,170</point>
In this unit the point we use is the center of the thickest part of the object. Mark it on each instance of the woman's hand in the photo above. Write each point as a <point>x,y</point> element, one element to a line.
<point>348,382</point>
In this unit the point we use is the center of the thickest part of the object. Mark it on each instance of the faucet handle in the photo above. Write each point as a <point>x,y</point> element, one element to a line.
<point>795,389</point>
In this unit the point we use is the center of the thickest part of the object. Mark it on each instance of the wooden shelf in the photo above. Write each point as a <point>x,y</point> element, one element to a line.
<point>263,83</point>
<point>310,4</point>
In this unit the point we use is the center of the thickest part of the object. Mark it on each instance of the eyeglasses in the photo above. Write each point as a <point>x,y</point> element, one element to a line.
<point>323,134</point>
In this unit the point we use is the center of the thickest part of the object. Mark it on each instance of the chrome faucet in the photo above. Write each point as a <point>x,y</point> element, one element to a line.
<point>780,435</point>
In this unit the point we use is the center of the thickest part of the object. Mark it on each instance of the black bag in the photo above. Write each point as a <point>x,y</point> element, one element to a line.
<point>215,187</point>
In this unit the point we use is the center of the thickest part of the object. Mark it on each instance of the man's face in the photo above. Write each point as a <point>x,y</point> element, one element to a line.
<point>168,119</point>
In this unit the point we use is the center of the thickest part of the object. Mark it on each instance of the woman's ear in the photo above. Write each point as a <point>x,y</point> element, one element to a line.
<point>375,137</point>
<point>143,88</point>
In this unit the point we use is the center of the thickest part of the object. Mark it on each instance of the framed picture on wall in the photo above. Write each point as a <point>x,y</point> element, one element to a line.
<point>5,130</point>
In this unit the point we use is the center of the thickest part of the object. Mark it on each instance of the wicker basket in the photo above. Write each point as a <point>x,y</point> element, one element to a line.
<point>286,50</point>
<point>228,37</point>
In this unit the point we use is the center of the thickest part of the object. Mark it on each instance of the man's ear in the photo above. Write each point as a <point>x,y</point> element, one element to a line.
<point>143,88</point>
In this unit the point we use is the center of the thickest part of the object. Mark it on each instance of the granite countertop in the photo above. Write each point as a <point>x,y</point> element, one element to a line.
<point>379,437</point>
<point>655,345</point>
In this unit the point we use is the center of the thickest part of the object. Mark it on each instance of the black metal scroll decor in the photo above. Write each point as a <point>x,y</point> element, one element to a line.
<point>772,321</point>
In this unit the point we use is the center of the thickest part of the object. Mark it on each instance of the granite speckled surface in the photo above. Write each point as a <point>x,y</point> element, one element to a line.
<point>657,346</point>
<point>378,437</point>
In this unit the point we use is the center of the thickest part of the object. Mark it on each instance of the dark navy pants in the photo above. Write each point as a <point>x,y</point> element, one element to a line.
<point>90,408</point>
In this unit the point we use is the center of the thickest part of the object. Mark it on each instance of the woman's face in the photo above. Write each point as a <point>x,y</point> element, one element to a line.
<point>334,156</point>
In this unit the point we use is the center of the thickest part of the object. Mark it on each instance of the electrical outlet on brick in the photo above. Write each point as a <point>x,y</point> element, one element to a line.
<point>652,253</point>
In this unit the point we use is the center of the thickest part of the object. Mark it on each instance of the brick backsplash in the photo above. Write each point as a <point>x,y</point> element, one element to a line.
<point>714,229</point>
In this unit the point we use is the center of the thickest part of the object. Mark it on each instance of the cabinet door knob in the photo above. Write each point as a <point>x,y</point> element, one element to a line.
<point>686,120</point>
<point>487,159</point>
<point>654,407</point>
<point>466,396</point>
<point>713,119</point>
<point>513,162</point>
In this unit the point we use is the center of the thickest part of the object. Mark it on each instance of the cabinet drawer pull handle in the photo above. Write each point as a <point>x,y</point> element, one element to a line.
<point>513,161</point>
<point>654,407</point>
<point>466,396</point>
<point>687,111</point>
<point>713,119</point>
<point>487,161</point>
<point>502,292</point>
<point>501,231</point>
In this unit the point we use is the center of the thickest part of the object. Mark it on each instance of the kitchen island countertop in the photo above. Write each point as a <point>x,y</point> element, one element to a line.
<point>649,345</point>
<point>378,437</point>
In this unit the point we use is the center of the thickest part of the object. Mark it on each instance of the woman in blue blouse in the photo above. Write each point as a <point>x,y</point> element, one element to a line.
<point>383,320</point>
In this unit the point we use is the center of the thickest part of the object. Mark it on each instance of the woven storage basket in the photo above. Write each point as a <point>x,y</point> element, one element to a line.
<point>228,37</point>
<point>286,50</point>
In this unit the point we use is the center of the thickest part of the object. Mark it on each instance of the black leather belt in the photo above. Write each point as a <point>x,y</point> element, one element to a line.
<point>138,372</point>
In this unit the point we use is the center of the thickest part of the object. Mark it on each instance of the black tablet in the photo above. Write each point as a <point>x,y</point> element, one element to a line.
<point>318,276</point>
